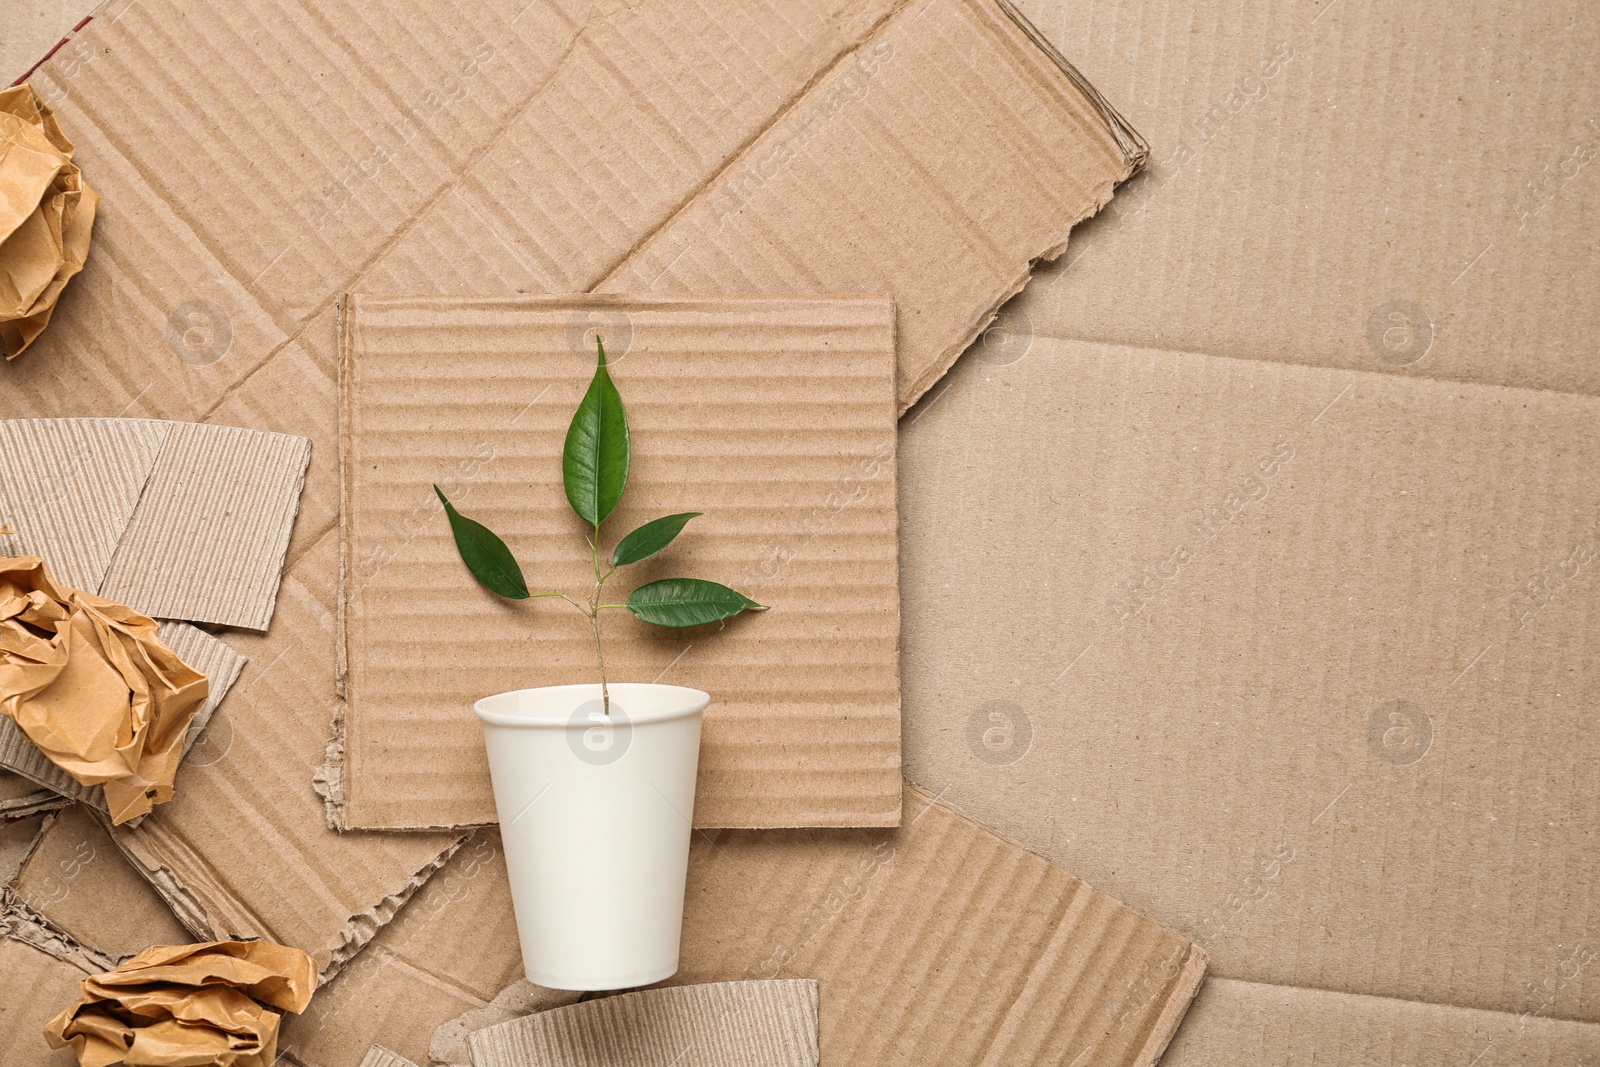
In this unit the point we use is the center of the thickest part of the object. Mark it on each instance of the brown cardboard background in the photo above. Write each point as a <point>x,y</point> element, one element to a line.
<point>240,203</point>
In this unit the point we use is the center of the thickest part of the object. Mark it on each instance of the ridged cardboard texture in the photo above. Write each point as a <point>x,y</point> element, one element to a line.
<point>714,1024</point>
<point>215,659</point>
<point>934,942</point>
<point>378,1056</point>
<point>774,417</point>
<point>461,157</point>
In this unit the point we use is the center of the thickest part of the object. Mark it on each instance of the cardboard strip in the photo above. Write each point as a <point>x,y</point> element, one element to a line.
<point>219,662</point>
<point>69,487</point>
<point>719,1024</point>
<point>774,417</point>
<point>208,539</point>
<point>378,1056</point>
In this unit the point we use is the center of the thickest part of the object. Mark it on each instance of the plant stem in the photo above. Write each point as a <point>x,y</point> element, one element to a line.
<point>605,695</point>
<point>594,621</point>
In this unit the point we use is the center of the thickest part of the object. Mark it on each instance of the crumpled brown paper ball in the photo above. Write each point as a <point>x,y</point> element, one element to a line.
<point>90,683</point>
<point>46,213</point>
<point>188,1006</point>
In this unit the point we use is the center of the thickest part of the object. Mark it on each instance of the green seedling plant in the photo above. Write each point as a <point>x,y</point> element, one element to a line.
<point>594,468</point>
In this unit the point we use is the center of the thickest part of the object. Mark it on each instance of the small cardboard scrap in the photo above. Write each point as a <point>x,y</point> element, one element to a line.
<point>77,882</point>
<point>218,1002</point>
<point>774,417</point>
<point>88,681</point>
<point>177,520</point>
<point>46,215</point>
<point>215,659</point>
<point>935,942</point>
<point>449,1042</point>
<point>378,1056</point>
<point>208,539</point>
<point>717,1024</point>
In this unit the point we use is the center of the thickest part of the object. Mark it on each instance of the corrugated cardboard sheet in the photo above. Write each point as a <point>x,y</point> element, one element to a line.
<point>220,664</point>
<point>934,942</point>
<point>776,418</point>
<point>474,149</point>
<point>176,520</point>
<point>715,1024</point>
<point>1402,196</point>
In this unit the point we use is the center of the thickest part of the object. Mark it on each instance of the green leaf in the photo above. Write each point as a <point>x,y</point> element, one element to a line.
<point>485,555</point>
<point>594,463</point>
<point>687,602</point>
<point>650,538</point>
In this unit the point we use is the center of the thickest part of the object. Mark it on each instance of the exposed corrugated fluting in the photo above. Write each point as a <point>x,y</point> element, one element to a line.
<point>69,487</point>
<point>378,1056</point>
<point>720,1024</point>
<point>208,538</point>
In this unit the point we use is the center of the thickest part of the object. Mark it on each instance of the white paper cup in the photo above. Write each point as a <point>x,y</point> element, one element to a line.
<point>595,816</point>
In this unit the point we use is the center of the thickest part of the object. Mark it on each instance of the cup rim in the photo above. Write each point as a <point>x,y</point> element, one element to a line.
<point>694,701</point>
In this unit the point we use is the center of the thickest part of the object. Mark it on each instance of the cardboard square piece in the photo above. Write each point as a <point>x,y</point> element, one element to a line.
<point>773,417</point>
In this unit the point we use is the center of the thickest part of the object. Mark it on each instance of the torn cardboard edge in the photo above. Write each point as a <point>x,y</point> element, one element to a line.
<point>217,660</point>
<point>643,268</point>
<point>177,520</point>
<point>31,803</point>
<point>1135,151</point>
<point>359,929</point>
<point>22,923</point>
